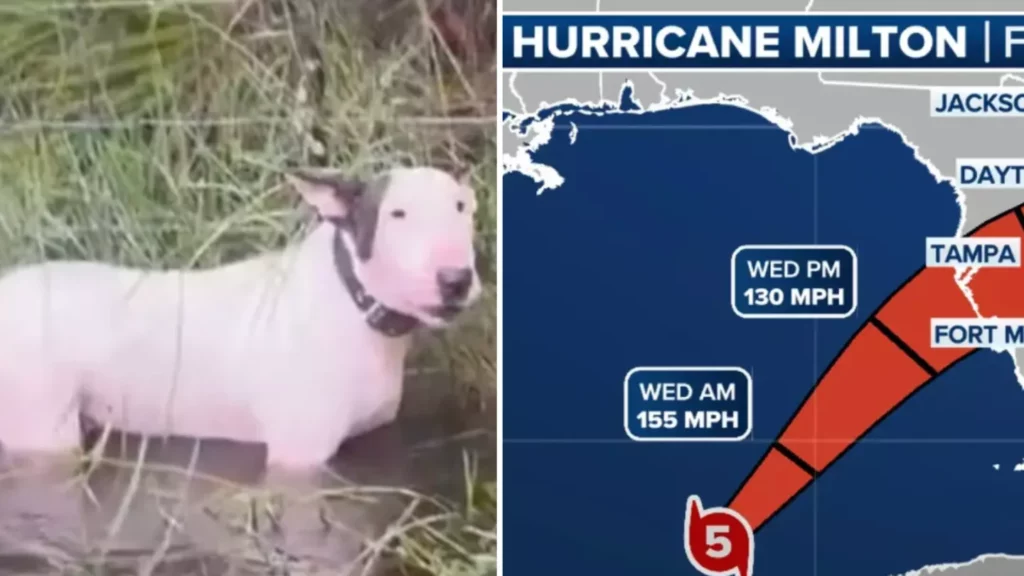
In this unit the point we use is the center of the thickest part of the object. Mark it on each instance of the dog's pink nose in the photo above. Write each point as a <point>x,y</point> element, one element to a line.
<point>454,283</point>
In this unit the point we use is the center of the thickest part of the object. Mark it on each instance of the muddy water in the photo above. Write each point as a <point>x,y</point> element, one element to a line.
<point>229,515</point>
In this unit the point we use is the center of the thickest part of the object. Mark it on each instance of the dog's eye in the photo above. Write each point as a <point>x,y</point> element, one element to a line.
<point>399,214</point>
<point>460,205</point>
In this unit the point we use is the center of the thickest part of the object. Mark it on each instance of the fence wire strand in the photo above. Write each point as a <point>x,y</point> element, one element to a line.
<point>36,7</point>
<point>86,125</point>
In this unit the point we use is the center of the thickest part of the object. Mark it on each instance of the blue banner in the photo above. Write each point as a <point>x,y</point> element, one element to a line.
<point>764,41</point>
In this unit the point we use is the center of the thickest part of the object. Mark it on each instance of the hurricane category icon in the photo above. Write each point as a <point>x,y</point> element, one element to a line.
<point>719,542</point>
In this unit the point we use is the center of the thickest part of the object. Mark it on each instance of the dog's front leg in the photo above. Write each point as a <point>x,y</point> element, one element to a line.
<point>310,522</point>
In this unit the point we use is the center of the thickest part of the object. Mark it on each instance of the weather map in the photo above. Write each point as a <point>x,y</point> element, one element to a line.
<point>764,322</point>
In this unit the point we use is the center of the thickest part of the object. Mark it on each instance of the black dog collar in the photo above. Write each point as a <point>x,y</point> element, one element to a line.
<point>379,317</point>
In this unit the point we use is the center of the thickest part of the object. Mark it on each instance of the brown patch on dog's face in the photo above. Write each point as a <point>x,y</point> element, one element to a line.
<point>366,214</point>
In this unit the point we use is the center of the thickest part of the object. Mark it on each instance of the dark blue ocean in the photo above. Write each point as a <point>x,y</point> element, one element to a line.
<point>627,264</point>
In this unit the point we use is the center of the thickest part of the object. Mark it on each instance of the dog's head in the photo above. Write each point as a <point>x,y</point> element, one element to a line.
<point>410,236</point>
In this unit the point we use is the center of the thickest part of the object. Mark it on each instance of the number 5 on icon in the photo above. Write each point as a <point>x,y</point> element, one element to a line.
<point>718,545</point>
<point>718,541</point>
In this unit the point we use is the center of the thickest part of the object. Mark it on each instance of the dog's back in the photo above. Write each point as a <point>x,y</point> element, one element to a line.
<point>153,352</point>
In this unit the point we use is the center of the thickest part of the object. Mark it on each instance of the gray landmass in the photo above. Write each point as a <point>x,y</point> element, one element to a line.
<point>819,105</point>
<point>994,565</point>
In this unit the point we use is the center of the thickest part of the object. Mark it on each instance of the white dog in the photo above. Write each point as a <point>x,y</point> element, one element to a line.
<point>298,349</point>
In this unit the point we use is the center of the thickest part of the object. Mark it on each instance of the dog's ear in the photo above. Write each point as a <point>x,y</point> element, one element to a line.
<point>331,195</point>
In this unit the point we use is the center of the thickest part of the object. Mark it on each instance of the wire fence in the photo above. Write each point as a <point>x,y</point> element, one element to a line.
<point>32,6</point>
<point>155,132</point>
<point>86,125</point>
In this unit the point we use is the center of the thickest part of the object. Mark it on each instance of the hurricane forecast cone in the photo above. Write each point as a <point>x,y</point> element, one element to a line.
<point>887,361</point>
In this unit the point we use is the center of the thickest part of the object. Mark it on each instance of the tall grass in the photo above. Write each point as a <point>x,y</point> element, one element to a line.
<point>155,133</point>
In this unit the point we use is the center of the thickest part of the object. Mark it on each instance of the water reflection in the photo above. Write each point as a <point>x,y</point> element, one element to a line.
<point>221,519</point>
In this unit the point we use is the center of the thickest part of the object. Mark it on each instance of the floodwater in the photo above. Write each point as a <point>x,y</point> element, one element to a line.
<point>118,518</point>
